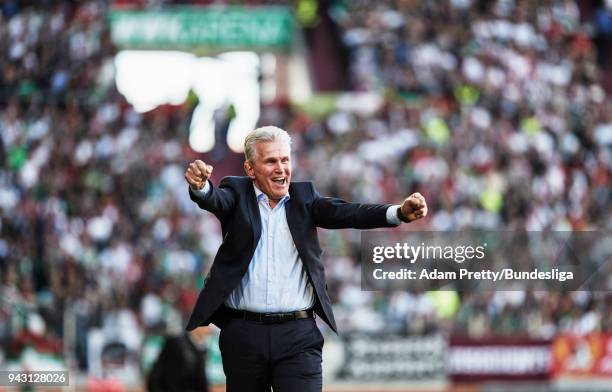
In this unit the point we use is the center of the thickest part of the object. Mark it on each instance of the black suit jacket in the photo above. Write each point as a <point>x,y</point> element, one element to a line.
<point>235,205</point>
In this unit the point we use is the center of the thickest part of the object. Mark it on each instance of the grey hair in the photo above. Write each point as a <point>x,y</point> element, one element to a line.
<point>263,134</point>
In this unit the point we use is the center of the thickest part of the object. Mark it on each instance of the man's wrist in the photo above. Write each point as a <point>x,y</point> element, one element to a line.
<point>401,216</point>
<point>202,192</point>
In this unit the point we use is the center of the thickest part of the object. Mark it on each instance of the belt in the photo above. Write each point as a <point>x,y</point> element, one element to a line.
<point>269,318</point>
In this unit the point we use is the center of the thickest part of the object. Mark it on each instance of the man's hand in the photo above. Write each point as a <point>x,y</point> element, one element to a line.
<point>197,174</point>
<point>413,208</point>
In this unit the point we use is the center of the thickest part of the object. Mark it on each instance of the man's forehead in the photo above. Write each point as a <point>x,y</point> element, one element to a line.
<point>274,148</point>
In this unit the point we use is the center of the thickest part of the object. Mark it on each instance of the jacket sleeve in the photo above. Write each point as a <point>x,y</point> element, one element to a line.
<point>218,200</point>
<point>333,213</point>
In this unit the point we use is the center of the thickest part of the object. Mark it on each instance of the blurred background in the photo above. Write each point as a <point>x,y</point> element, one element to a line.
<point>498,112</point>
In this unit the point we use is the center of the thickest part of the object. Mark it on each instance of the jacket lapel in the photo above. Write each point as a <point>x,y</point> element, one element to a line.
<point>254,215</point>
<point>292,219</point>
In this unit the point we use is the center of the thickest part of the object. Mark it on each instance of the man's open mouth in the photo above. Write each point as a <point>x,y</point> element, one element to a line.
<point>279,180</point>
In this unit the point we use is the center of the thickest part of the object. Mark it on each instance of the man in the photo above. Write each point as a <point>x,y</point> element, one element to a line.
<point>181,364</point>
<point>267,280</point>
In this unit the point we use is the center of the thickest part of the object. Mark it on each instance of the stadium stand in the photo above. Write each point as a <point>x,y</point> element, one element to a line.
<point>497,112</point>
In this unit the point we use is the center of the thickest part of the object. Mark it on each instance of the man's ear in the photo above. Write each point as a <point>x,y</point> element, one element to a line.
<point>249,170</point>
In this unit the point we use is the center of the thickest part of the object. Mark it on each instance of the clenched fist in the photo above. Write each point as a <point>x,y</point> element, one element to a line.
<point>413,208</point>
<point>197,174</point>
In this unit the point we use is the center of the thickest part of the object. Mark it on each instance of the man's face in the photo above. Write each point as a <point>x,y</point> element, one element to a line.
<point>271,170</point>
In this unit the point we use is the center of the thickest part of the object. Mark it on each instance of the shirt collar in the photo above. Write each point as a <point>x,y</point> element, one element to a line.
<point>262,196</point>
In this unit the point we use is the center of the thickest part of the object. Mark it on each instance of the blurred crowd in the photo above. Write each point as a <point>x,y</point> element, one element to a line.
<point>98,232</point>
<point>494,111</point>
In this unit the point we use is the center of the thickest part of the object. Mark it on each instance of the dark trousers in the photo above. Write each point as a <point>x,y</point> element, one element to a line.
<point>285,356</point>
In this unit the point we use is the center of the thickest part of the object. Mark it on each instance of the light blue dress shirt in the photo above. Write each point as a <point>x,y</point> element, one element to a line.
<point>276,279</point>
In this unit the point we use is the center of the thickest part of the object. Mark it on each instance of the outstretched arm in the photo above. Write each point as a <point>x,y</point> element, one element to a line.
<point>333,213</point>
<point>219,200</point>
